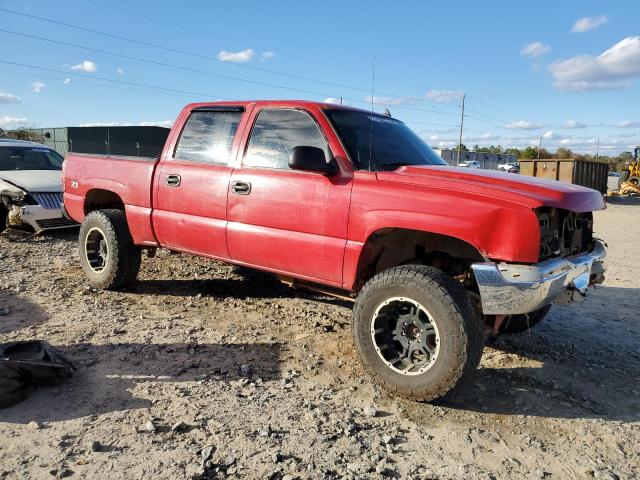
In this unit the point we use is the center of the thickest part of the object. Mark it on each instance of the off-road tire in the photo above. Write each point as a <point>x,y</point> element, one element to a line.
<point>123,256</point>
<point>458,324</point>
<point>624,176</point>
<point>522,323</point>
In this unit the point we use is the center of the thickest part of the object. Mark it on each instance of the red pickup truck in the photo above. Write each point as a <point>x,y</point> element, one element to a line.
<point>354,204</point>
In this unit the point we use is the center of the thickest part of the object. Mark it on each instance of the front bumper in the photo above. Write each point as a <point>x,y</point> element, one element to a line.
<point>511,289</point>
<point>40,218</point>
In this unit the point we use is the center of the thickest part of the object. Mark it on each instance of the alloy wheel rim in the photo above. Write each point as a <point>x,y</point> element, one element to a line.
<point>405,336</point>
<point>96,250</point>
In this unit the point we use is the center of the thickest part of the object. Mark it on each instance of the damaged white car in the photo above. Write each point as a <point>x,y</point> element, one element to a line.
<point>30,187</point>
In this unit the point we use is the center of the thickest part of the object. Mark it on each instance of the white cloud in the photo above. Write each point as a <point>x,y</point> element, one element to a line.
<point>549,135</point>
<point>9,98</point>
<point>161,123</point>
<point>335,101</point>
<point>628,124</point>
<point>66,81</point>
<point>534,49</point>
<point>609,70</point>
<point>120,71</point>
<point>387,100</point>
<point>37,87</point>
<point>444,95</point>
<point>5,121</point>
<point>573,124</point>
<point>85,66</point>
<point>589,86</point>
<point>264,56</point>
<point>238,57</point>
<point>524,125</point>
<point>588,23</point>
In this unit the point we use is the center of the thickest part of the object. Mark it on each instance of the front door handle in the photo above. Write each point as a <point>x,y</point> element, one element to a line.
<point>173,180</point>
<point>241,188</point>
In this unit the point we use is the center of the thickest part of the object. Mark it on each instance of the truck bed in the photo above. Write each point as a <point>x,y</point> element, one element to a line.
<point>129,178</point>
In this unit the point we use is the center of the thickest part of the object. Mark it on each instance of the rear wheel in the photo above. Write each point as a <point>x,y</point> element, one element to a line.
<point>522,323</point>
<point>108,255</point>
<point>416,331</point>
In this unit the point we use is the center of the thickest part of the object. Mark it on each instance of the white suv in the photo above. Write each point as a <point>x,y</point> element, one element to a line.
<point>30,186</point>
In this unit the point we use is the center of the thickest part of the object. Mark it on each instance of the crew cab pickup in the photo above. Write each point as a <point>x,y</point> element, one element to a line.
<point>354,204</point>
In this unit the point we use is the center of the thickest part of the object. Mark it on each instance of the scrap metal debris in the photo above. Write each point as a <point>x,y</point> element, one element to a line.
<point>27,365</point>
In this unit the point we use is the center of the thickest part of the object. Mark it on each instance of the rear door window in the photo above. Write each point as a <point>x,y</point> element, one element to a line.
<point>207,136</point>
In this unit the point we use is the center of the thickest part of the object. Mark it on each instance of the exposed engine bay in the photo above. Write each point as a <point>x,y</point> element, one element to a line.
<point>564,233</point>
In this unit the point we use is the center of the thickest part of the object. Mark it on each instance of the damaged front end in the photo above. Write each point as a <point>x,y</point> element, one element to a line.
<point>23,210</point>
<point>13,198</point>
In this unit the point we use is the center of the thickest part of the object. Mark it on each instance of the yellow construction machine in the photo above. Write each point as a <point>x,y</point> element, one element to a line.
<point>632,172</point>
<point>629,179</point>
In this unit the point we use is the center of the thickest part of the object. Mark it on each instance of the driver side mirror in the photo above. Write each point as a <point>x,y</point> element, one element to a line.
<point>311,159</point>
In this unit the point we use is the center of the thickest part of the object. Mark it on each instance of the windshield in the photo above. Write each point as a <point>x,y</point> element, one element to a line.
<point>375,142</point>
<point>29,158</point>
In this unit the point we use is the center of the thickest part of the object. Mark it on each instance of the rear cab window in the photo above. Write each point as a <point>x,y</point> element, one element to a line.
<point>207,135</point>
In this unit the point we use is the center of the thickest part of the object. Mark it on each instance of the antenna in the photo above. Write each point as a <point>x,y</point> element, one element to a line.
<point>461,127</point>
<point>373,88</point>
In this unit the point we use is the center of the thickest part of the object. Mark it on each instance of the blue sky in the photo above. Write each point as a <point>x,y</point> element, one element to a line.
<point>566,71</point>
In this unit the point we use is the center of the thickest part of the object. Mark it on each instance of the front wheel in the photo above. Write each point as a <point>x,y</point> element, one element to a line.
<point>108,255</point>
<point>416,331</point>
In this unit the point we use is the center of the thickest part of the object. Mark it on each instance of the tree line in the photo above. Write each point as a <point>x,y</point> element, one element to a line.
<point>617,162</point>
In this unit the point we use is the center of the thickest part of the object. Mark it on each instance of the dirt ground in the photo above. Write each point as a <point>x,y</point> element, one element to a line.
<point>203,360</point>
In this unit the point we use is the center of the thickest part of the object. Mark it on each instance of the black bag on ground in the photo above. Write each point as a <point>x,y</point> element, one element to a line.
<point>27,365</point>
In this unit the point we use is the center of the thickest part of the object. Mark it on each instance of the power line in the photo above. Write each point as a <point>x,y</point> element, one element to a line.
<point>164,64</point>
<point>252,67</point>
<point>197,55</point>
<point>485,115</point>
<point>122,82</point>
<point>204,72</point>
<point>185,52</point>
<point>436,124</point>
<point>484,121</point>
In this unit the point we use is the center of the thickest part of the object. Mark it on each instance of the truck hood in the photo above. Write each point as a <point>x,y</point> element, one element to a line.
<point>530,191</point>
<point>34,180</point>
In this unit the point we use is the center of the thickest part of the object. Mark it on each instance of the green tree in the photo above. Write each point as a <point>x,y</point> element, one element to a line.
<point>563,153</point>
<point>529,153</point>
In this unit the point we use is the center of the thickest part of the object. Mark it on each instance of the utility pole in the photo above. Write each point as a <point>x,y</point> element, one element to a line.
<point>539,147</point>
<point>461,126</point>
<point>598,148</point>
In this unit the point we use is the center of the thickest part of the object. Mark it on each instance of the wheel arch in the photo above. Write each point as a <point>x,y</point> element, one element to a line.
<point>101,199</point>
<point>390,246</point>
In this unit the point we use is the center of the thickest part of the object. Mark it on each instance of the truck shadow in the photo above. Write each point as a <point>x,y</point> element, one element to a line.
<point>258,285</point>
<point>580,362</point>
<point>127,376</point>
<point>17,314</point>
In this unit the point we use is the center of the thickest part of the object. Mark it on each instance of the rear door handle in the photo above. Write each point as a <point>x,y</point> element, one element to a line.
<point>241,188</point>
<point>173,180</point>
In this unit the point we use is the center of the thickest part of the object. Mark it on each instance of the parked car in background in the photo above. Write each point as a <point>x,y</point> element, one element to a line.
<point>512,167</point>
<point>30,186</point>
<point>470,164</point>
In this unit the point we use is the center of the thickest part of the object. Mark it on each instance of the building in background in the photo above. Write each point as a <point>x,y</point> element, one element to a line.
<point>122,140</point>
